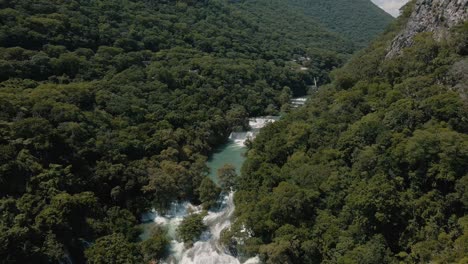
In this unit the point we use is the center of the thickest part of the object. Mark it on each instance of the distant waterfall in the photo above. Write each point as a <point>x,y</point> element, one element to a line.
<point>298,102</point>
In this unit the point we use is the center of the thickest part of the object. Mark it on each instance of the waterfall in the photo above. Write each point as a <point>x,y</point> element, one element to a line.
<point>255,124</point>
<point>297,102</point>
<point>208,250</point>
<point>170,221</point>
<point>258,123</point>
<point>239,138</point>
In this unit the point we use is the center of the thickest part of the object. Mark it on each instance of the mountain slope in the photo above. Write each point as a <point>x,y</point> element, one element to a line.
<point>373,168</point>
<point>359,20</point>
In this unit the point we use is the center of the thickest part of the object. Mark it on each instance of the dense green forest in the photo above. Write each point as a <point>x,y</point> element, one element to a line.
<point>340,16</point>
<point>109,108</point>
<point>372,170</point>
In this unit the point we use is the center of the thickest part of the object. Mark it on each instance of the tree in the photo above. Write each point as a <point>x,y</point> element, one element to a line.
<point>113,249</point>
<point>237,117</point>
<point>227,176</point>
<point>155,247</point>
<point>191,228</point>
<point>123,222</point>
<point>108,109</point>
<point>371,170</point>
<point>209,193</point>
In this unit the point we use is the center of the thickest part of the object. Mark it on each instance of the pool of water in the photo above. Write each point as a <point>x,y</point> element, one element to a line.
<point>230,153</point>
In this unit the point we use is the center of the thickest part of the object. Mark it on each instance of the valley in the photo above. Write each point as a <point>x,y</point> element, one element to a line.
<point>143,131</point>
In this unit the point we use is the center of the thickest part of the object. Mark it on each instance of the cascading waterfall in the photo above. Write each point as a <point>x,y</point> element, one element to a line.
<point>255,124</point>
<point>298,102</point>
<point>170,221</point>
<point>241,137</point>
<point>208,249</point>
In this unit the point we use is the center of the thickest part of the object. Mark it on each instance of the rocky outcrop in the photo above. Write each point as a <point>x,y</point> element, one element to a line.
<point>458,78</point>
<point>435,16</point>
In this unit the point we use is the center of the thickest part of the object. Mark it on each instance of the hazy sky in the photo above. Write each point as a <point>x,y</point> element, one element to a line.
<point>391,6</point>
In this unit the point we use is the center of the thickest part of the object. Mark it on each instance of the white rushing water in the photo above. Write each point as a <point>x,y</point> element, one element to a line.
<point>298,102</point>
<point>255,124</point>
<point>208,250</point>
<point>170,221</point>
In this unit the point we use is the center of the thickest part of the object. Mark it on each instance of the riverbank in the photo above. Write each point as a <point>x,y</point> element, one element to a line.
<point>209,249</point>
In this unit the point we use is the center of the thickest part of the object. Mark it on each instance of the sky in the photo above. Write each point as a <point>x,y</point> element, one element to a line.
<point>391,6</point>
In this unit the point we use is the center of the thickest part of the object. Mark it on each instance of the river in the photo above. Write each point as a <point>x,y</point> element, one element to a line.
<point>208,249</point>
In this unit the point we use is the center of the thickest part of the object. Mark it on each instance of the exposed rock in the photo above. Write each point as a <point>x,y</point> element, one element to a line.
<point>435,16</point>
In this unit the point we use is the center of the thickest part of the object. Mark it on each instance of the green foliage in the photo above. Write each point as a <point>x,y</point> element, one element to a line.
<point>371,170</point>
<point>359,20</point>
<point>227,177</point>
<point>113,249</point>
<point>121,221</point>
<point>191,228</point>
<point>156,246</point>
<point>110,108</point>
<point>209,193</point>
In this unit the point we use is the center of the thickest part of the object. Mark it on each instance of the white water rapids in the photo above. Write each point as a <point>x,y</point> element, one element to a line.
<point>255,124</point>
<point>208,250</point>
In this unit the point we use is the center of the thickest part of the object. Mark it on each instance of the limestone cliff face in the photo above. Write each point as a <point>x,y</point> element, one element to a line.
<point>430,16</point>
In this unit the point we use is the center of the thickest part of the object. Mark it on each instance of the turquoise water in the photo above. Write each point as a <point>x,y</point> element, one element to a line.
<point>232,152</point>
<point>204,251</point>
<point>209,249</point>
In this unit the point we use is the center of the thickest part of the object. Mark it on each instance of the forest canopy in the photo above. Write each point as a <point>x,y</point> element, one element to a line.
<point>109,108</point>
<point>357,20</point>
<point>372,170</point>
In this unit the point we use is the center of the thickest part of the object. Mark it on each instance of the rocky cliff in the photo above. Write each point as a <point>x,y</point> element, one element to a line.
<point>430,16</point>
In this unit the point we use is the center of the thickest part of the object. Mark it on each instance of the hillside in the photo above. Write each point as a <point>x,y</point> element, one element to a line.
<point>374,168</point>
<point>358,20</point>
<point>110,108</point>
